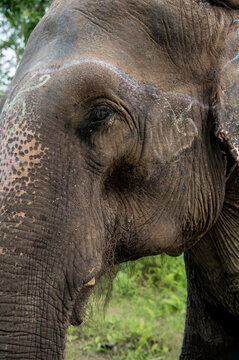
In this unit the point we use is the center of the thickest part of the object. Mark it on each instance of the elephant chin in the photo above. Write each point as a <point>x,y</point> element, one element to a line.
<point>178,250</point>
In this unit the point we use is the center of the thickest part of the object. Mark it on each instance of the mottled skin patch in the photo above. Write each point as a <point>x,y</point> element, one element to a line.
<point>19,150</point>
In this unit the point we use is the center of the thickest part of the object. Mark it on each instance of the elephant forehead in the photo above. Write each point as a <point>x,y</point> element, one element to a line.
<point>140,37</point>
<point>72,33</point>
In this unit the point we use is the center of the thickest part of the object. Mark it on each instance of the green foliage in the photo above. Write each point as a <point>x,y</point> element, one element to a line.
<point>7,63</point>
<point>23,15</point>
<point>144,319</point>
<point>17,20</point>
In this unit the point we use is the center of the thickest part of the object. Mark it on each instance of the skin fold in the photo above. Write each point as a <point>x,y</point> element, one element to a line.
<point>119,139</point>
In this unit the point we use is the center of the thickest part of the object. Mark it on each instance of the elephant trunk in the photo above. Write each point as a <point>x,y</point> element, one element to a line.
<point>39,295</point>
<point>33,322</point>
<point>51,227</point>
<point>48,263</point>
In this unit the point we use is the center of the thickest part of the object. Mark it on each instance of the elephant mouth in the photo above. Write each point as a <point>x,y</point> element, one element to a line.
<point>80,304</point>
<point>76,319</point>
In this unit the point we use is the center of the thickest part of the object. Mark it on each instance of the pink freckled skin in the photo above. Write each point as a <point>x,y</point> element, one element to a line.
<point>14,162</point>
<point>8,162</point>
<point>14,146</point>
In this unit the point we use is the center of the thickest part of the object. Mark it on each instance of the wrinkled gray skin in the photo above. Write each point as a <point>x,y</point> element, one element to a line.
<point>119,139</point>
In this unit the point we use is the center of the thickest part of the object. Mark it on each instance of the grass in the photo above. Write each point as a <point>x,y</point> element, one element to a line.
<point>144,319</point>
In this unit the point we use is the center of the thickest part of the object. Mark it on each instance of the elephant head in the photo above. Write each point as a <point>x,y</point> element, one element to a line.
<point>118,134</point>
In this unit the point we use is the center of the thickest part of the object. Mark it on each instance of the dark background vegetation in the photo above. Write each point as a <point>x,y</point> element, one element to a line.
<point>145,316</point>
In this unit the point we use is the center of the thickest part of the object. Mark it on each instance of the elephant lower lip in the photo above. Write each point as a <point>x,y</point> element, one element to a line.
<point>80,303</point>
<point>76,319</point>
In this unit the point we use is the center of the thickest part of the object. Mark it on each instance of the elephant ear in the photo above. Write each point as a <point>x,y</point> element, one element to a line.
<point>226,109</point>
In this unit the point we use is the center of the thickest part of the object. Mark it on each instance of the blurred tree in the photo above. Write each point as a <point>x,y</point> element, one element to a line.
<point>17,20</point>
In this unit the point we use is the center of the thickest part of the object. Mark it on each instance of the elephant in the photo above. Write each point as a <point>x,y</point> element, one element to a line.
<point>119,140</point>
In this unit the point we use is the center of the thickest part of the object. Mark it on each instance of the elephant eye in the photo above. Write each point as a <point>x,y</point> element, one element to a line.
<point>99,115</point>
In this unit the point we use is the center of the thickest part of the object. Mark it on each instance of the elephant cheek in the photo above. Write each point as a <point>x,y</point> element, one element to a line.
<point>172,130</point>
<point>164,236</point>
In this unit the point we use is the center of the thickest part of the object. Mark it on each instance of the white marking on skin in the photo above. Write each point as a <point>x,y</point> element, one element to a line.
<point>18,99</point>
<point>91,61</point>
<point>120,73</point>
<point>181,119</point>
<point>235,58</point>
<point>168,145</point>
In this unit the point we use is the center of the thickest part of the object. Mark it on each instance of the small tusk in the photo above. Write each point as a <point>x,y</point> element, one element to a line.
<point>91,283</point>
